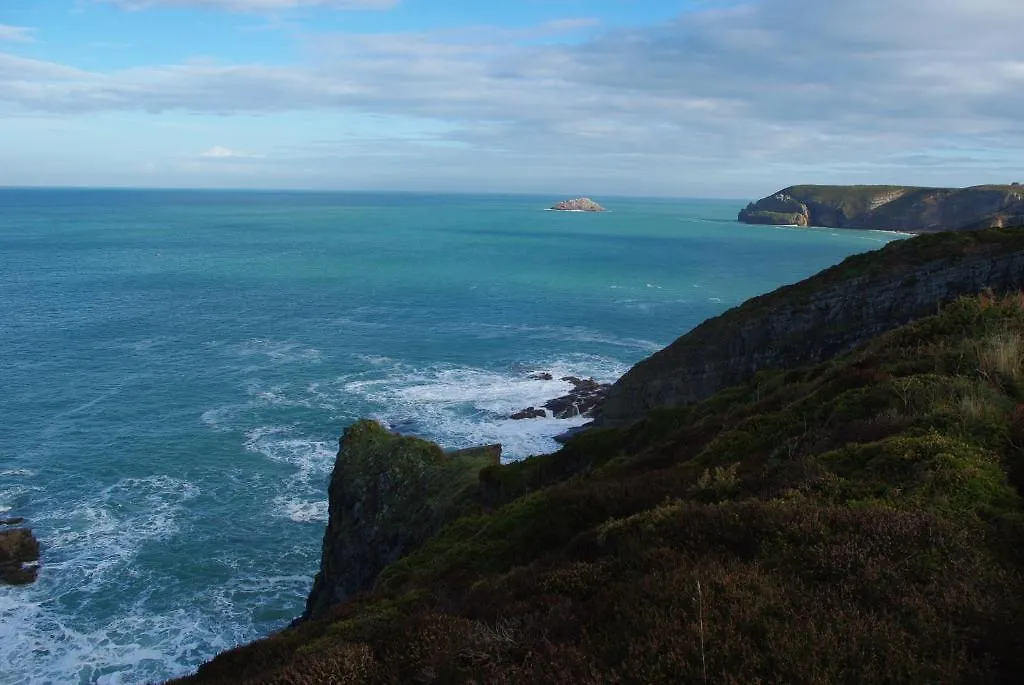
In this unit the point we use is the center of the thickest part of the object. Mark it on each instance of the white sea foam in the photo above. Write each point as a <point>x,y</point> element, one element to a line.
<point>274,352</point>
<point>568,334</point>
<point>90,549</point>
<point>21,473</point>
<point>301,511</point>
<point>312,460</point>
<point>461,406</point>
<point>279,444</point>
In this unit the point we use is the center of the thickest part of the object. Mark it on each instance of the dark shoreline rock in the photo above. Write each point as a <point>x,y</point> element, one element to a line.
<point>19,556</point>
<point>585,396</point>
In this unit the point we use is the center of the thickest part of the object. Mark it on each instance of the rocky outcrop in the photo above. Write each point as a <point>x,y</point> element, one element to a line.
<point>19,554</point>
<point>585,396</point>
<point>896,208</point>
<point>387,495</point>
<point>820,317</point>
<point>580,204</point>
<point>582,400</point>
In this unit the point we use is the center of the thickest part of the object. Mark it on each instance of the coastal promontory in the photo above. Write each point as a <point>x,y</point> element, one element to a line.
<point>851,512</point>
<point>895,208</point>
<point>580,204</point>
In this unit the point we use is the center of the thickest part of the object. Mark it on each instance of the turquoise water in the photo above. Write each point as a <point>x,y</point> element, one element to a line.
<point>177,366</point>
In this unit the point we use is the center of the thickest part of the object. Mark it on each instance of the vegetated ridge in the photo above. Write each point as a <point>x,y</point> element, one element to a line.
<point>894,208</point>
<point>824,315</point>
<point>852,520</point>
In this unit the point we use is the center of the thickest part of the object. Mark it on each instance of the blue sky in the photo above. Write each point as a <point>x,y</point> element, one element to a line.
<point>716,98</point>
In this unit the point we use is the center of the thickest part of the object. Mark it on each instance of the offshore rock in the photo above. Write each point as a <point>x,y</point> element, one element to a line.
<point>582,400</point>
<point>529,413</point>
<point>388,494</point>
<point>19,552</point>
<point>819,318</point>
<point>894,208</point>
<point>584,397</point>
<point>580,204</point>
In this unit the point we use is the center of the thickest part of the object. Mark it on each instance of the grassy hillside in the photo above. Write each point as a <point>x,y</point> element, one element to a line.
<point>850,200</point>
<point>857,521</point>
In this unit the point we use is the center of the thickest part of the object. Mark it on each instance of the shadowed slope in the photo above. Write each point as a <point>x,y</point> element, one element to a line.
<point>854,521</point>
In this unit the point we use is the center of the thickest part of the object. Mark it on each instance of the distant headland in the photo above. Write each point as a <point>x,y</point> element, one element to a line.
<point>580,204</point>
<point>895,208</point>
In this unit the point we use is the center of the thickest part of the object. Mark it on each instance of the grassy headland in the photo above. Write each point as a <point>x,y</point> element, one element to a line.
<point>857,520</point>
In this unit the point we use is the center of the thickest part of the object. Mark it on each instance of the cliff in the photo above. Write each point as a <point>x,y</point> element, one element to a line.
<point>894,208</point>
<point>856,519</point>
<point>820,317</point>
<point>387,495</point>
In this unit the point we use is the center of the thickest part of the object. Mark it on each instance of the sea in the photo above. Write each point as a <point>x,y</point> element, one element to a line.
<point>176,368</point>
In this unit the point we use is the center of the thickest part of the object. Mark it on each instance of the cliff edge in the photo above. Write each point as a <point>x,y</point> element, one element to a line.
<point>387,495</point>
<point>893,208</point>
<point>820,317</point>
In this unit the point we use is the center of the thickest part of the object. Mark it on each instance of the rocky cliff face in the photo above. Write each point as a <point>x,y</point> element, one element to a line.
<point>898,208</point>
<point>388,494</point>
<point>819,318</point>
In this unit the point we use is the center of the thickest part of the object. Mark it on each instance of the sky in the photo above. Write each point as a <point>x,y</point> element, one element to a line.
<point>671,98</point>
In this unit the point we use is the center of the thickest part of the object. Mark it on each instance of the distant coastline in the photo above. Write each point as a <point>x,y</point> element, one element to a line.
<point>899,209</point>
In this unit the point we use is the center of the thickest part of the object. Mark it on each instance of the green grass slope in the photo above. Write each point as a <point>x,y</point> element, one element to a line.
<point>856,521</point>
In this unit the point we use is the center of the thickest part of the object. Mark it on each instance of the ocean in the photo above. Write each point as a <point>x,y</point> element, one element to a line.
<point>176,368</point>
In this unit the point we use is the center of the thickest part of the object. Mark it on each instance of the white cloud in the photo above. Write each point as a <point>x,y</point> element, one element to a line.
<point>221,152</point>
<point>859,89</point>
<point>19,34</point>
<point>257,5</point>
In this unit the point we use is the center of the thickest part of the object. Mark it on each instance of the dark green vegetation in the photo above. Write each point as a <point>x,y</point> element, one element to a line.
<point>857,520</point>
<point>900,208</point>
<point>820,317</point>
<point>388,494</point>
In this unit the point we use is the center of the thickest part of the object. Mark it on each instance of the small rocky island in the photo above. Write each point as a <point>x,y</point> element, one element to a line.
<point>580,204</point>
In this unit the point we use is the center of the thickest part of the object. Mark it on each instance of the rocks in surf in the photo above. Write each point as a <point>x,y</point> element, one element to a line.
<point>585,396</point>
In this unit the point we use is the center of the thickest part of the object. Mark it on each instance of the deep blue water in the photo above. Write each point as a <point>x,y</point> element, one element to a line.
<point>176,367</point>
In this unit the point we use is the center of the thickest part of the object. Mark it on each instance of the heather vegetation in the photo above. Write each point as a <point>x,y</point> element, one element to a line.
<point>854,521</point>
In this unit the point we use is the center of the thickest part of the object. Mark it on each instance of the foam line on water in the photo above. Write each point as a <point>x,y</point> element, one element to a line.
<point>461,406</point>
<point>90,551</point>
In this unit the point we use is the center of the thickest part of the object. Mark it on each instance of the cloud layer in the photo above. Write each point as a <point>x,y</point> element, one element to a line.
<point>854,86</point>
<point>257,5</point>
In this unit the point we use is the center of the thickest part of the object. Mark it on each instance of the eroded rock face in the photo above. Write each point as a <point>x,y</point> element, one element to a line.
<point>387,495</point>
<point>898,208</point>
<point>19,552</point>
<point>818,318</point>
<point>580,204</point>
